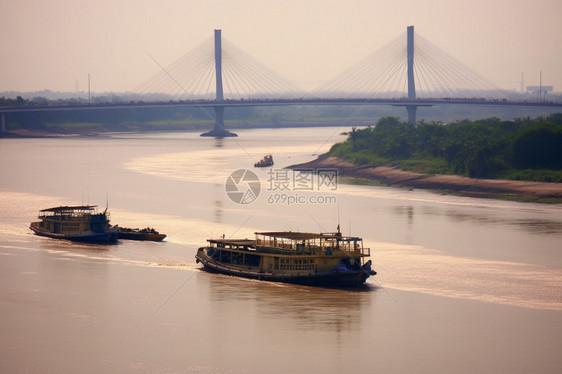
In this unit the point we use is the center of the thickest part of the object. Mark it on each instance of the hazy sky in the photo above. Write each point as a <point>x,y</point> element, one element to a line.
<point>55,44</point>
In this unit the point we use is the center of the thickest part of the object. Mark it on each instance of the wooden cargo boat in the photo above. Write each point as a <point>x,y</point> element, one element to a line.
<point>141,234</point>
<point>317,259</point>
<point>266,161</point>
<point>78,223</point>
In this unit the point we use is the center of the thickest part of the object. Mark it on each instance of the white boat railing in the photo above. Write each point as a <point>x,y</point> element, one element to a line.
<point>354,246</point>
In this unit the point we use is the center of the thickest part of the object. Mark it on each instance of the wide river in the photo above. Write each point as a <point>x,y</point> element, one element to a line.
<point>464,285</point>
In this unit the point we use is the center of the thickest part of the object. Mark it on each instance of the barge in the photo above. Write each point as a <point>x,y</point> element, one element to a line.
<point>141,234</point>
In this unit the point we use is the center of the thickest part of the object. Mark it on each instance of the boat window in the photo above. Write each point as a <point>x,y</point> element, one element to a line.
<point>294,264</point>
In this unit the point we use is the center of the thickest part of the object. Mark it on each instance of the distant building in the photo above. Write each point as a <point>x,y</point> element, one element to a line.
<point>541,91</point>
<point>544,89</point>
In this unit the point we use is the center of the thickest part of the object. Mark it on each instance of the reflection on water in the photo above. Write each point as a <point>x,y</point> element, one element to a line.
<point>407,211</point>
<point>297,307</point>
<point>218,211</point>
<point>539,226</point>
<point>533,225</point>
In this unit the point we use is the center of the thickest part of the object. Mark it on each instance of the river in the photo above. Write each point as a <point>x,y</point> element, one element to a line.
<point>464,285</point>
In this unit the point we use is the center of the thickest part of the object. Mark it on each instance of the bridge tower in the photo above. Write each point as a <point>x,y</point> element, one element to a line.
<point>219,131</point>
<point>411,108</point>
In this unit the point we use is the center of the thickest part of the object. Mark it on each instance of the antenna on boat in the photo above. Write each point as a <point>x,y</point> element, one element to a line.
<point>106,202</point>
<point>338,216</point>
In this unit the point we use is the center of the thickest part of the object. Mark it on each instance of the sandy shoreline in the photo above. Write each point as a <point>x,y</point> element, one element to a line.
<point>474,187</point>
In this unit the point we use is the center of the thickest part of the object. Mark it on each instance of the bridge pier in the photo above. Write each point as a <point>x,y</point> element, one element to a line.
<point>219,131</point>
<point>411,109</point>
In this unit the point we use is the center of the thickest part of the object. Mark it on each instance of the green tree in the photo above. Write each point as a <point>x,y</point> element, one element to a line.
<point>539,147</point>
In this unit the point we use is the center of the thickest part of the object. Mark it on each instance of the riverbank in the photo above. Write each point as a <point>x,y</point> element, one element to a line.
<point>392,176</point>
<point>66,130</point>
<point>28,134</point>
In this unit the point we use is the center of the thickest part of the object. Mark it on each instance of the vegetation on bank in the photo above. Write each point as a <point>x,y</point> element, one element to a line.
<point>522,149</point>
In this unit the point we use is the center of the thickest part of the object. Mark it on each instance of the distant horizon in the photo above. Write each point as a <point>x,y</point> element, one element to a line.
<point>54,95</point>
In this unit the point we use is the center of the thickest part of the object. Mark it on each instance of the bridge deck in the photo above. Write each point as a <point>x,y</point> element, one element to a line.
<point>280,102</point>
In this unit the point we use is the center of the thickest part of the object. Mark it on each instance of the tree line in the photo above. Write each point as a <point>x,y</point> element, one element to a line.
<point>523,149</point>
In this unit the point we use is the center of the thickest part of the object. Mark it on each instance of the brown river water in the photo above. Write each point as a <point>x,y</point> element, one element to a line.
<point>464,285</point>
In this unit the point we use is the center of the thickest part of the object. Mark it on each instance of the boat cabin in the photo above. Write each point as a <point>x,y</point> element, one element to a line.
<point>73,219</point>
<point>286,242</point>
<point>295,248</point>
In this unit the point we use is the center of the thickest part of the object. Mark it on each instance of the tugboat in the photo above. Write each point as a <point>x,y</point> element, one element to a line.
<point>78,223</point>
<point>138,234</point>
<point>316,259</point>
<point>266,161</point>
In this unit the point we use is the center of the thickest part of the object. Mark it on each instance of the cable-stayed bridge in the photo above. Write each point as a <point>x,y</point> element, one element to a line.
<point>409,71</point>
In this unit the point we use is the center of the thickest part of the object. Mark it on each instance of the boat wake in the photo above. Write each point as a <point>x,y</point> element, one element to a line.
<point>423,270</point>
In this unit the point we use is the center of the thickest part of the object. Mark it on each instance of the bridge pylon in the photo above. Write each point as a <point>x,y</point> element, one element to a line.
<point>411,107</point>
<point>219,131</point>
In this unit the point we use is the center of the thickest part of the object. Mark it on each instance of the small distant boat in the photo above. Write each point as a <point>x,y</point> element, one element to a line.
<point>78,223</point>
<point>316,259</point>
<point>266,161</point>
<point>140,234</point>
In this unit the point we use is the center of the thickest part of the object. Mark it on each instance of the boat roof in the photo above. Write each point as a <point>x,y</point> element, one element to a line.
<point>69,208</point>
<point>237,242</point>
<point>293,235</point>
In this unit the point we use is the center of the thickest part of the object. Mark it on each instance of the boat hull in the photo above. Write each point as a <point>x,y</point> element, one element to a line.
<point>331,278</point>
<point>264,165</point>
<point>107,237</point>
<point>141,236</point>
